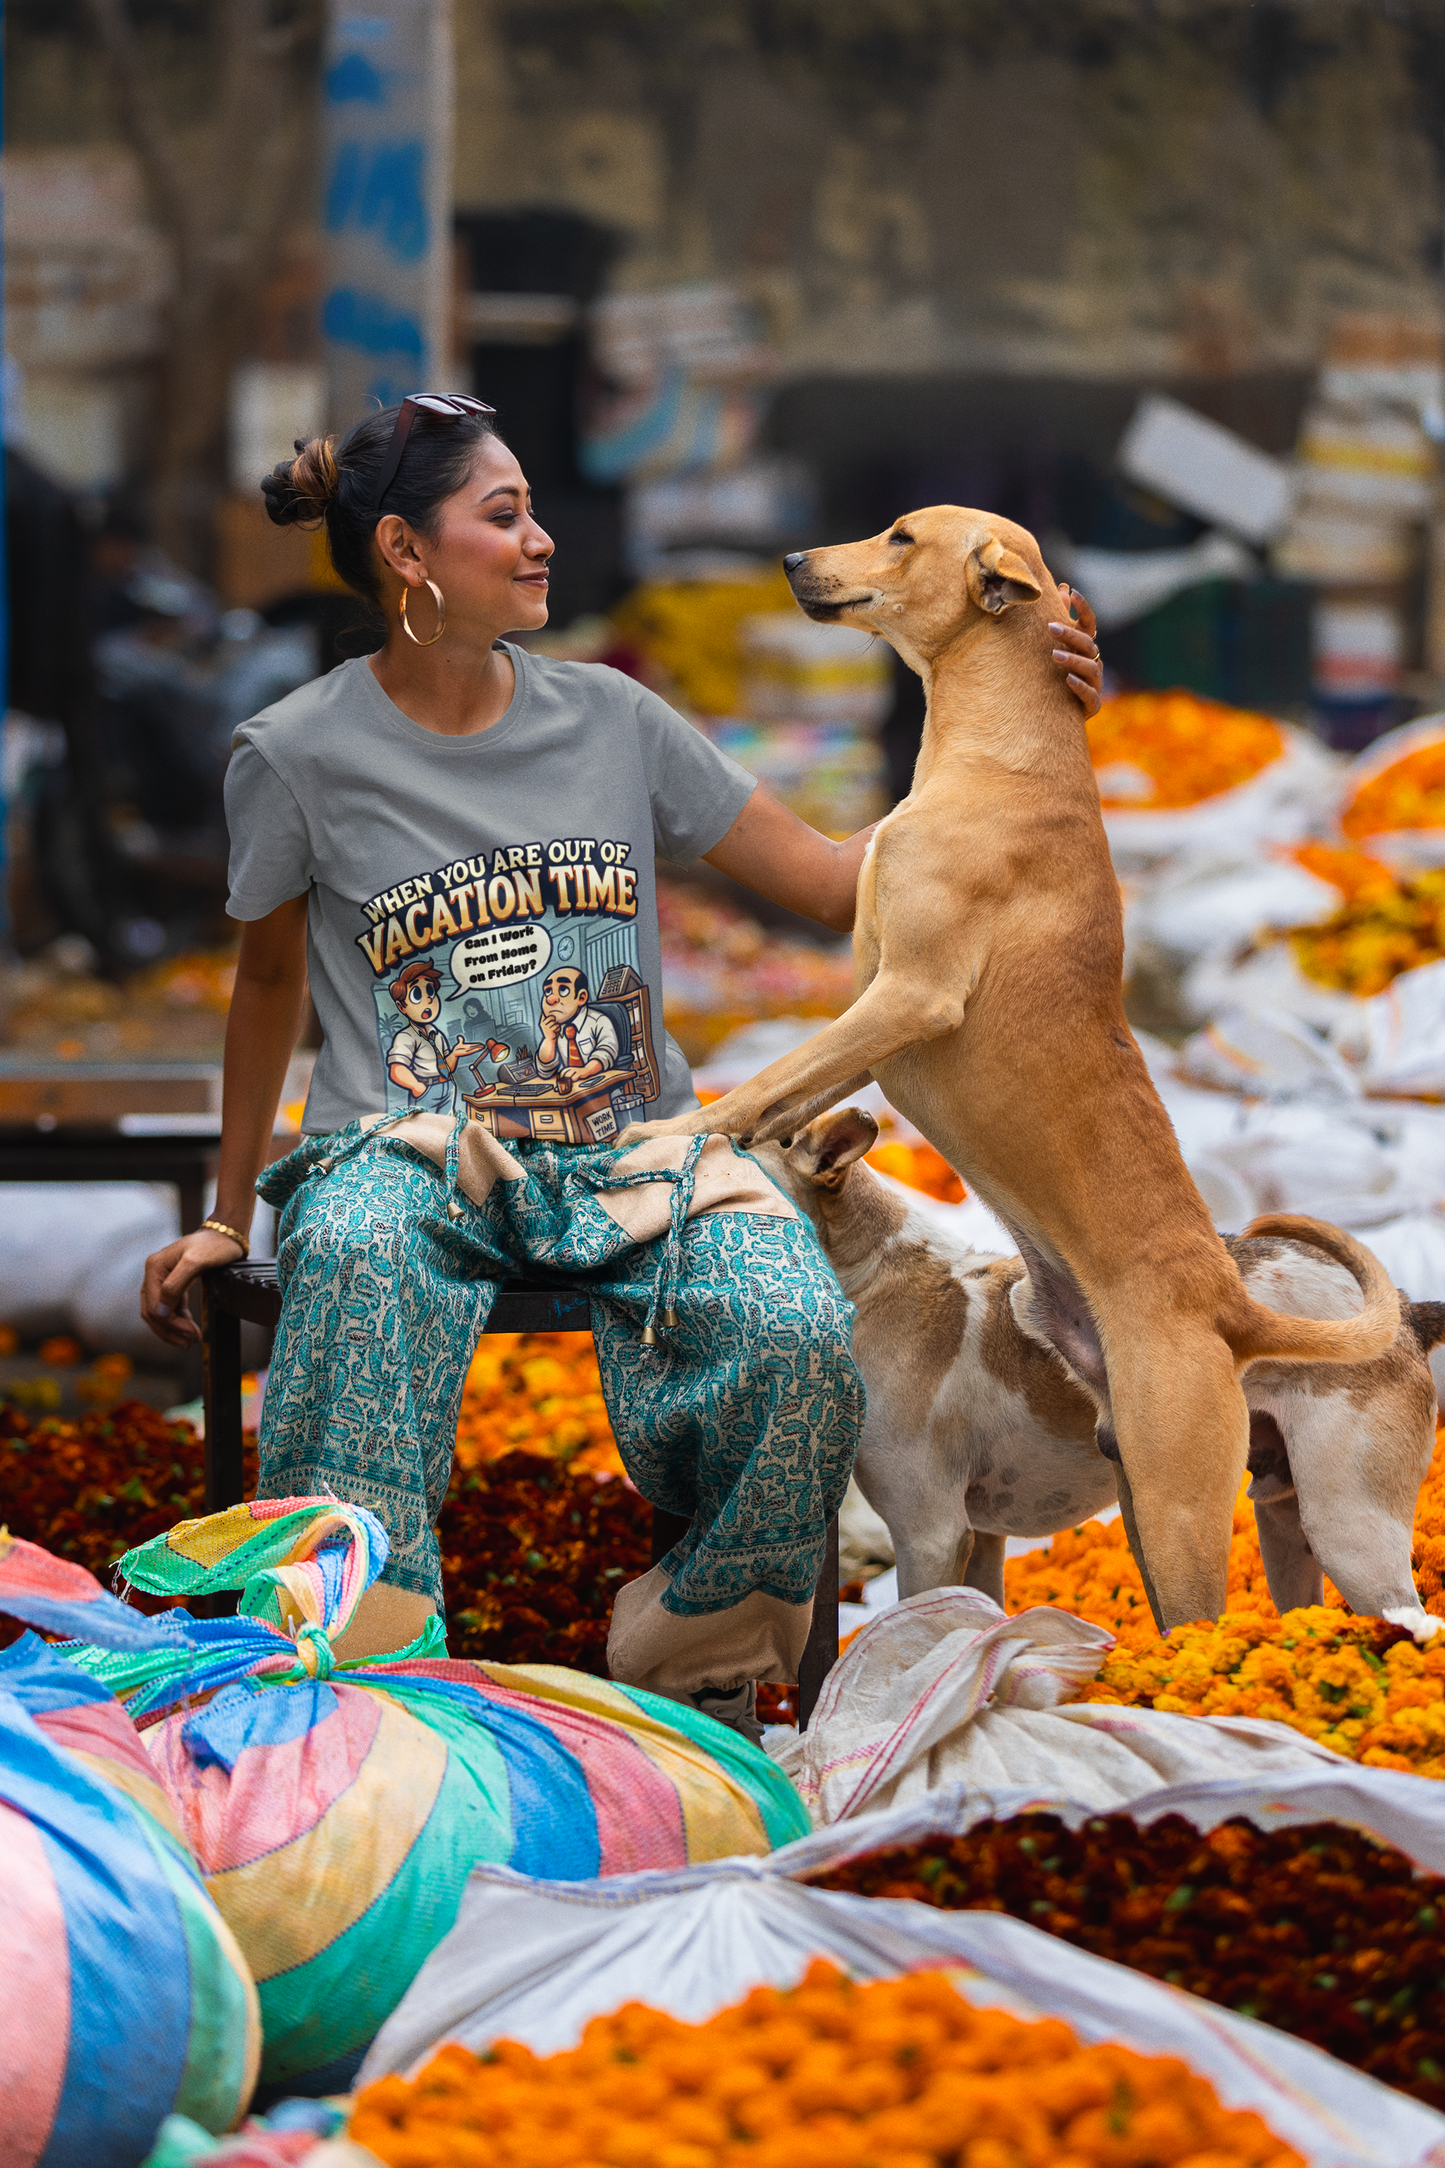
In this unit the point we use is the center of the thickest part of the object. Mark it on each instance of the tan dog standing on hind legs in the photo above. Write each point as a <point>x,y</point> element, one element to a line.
<point>988,952</point>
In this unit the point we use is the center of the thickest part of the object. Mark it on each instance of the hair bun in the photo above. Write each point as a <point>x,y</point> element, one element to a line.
<point>301,491</point>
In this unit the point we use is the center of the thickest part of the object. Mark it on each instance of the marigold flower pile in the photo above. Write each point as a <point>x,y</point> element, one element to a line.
<point>897,2072</point>
<point>537,1392</point>
<point>1383,926</point>
<point>1410,793</point>
<point>1153,751</point>
<point>537,1532</point>
<point>722,970</point>
<point>1321,1931</point>
<point>1355,1684</point>
<point>920,1167</point>
<point>687,633</point>
<point>90,1489</point>
<point>533,1553</point>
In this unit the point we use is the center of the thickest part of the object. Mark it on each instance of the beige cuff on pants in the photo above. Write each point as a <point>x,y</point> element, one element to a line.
<point>759,1638</point>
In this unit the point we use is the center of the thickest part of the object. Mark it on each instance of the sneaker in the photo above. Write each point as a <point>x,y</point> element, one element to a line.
<point>737,1709</point>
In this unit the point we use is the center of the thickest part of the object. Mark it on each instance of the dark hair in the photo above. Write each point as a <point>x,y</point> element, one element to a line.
<point>581,986</point>
<point>337,487</point>
<point>414,975</point>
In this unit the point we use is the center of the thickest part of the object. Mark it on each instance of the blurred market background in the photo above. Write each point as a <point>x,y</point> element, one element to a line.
<point>1164,282</point>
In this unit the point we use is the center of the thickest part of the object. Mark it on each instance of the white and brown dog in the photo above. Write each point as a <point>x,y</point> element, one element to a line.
<point>977,1430</point>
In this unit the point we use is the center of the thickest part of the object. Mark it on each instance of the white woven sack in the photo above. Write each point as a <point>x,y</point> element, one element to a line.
<point>536,1961</point>
<point>1284,803</point>
<point>946,1688</point>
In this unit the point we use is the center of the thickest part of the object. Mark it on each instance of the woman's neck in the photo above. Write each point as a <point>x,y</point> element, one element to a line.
<point>457,688</point>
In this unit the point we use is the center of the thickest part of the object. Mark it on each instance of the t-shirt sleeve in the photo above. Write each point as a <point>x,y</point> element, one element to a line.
<point>270,845</point>
<point>697,792</point>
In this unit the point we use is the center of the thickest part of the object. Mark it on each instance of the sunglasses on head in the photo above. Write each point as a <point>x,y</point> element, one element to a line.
<point>444,406</point>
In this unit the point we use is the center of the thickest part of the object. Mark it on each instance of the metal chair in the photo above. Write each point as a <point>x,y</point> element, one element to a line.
<point>249,1292</point>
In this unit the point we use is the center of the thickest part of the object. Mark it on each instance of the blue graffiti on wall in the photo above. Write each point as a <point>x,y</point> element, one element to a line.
<point>381,189</point>
<point>354,81</point>
<point>372,323</point>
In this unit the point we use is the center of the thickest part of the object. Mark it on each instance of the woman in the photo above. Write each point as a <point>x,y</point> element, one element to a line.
<point>455,839</point>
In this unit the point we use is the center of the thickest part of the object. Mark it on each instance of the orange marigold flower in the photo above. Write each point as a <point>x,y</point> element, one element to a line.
<point>1410,793</point>
<point>536,1392</point>
<point>831,2075</point>
<point>1156,750</point>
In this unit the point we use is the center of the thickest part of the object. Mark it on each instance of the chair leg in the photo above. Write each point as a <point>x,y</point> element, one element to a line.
<point>667,1529</point>
<point>821,1650</point>
<point>221,1396</point>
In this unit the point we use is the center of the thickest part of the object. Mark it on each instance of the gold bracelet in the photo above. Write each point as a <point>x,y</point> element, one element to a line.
<point>219,1227</point>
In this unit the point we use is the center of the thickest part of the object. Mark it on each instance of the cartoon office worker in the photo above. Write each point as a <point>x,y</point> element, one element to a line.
<point>577,1040</point>
<point>420,1058</point>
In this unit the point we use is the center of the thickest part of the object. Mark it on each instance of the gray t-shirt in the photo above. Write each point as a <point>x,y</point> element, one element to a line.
<point>473,901</point>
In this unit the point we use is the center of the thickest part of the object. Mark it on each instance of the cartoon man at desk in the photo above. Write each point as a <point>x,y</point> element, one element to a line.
<point>577,1040</point>
<point>421,1059</point>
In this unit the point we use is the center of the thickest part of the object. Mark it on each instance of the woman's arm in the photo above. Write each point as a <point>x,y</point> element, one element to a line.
<point>771,851</point>
<point>260,1035</point>
<point>779,856</point>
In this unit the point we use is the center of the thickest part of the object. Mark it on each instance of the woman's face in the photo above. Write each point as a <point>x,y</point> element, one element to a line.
<point>489,555</point>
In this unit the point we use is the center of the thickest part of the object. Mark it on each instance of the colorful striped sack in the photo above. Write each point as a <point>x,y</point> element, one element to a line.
<point>123,1996</point>
<point>338,1808</point>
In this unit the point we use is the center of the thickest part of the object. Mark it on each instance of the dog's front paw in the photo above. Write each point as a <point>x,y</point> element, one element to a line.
<point>1414,1620</point>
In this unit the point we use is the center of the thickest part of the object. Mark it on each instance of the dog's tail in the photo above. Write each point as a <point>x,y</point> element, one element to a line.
<point>1257,1334</point>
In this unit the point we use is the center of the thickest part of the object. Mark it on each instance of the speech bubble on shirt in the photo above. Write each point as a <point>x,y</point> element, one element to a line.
<point>500,956</point>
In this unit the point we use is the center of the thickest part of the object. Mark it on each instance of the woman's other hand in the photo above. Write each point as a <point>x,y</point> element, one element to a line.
<point>168,1274</point>
<point>1076,653</point>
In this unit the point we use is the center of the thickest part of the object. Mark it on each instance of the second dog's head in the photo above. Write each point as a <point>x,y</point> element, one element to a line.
<point>925,580</point>
<point>814,1168</point>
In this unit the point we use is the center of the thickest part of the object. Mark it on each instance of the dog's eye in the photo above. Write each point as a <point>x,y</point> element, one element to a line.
<point>900,537</point>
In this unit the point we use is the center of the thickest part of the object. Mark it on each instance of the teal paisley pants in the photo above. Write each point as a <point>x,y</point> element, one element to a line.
<point>744,1419</point>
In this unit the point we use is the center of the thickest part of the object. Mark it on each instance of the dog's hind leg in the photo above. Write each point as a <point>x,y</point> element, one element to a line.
<point>1294,1574</point>
<point>1183,1429</point>
<point>935,1553</point>
<point>984,1570</point>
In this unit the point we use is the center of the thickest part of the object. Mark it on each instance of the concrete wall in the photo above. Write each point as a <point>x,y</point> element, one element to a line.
<point>1104,189</point>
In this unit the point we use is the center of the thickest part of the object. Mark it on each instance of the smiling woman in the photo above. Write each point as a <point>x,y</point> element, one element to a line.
<point>454,842</point>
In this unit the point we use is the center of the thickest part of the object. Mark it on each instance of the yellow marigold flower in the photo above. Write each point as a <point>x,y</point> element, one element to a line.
<point>1359,1686</point>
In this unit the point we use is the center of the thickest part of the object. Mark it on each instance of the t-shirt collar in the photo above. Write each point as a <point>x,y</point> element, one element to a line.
<point>390,714</point>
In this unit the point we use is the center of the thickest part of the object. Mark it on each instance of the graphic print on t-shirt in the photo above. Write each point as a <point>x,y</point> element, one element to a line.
<point>507,986</point>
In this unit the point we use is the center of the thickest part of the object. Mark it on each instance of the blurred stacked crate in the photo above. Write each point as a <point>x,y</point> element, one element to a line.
<point>1365,484</point>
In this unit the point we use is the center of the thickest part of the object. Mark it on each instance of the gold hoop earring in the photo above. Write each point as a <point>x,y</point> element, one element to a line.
<point>441,602</point>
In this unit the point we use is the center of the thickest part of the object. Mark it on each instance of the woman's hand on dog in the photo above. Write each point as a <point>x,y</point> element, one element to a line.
<point>1077,653</point>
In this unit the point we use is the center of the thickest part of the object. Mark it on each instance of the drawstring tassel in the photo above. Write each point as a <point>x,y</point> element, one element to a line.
<point>454,1203</point>
<point>663,1309</point>
<point>664,1300</point>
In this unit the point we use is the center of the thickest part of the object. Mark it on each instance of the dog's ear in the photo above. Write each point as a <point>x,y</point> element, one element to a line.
<point>824,1151</point>
<point>998,578</point>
